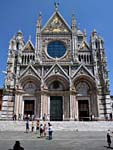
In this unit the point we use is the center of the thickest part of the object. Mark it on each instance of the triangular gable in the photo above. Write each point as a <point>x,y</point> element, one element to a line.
<point>84,46</point>
<point>82,70</point>
<point>30,70</point>
<point>56,24</point>
<point>56,69</point>
<point>28,47</point>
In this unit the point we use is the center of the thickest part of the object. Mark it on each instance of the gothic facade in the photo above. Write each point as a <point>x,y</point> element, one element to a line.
<point>62,76</point>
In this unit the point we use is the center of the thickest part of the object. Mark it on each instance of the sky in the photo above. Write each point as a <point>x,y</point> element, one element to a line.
<point>22,15</point>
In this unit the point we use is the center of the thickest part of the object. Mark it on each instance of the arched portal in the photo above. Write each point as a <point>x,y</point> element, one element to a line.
<point>56,101</point>
<point>58,89</point>
<point>30,98</point>
<point>83,99</point>
<point>86,98</point>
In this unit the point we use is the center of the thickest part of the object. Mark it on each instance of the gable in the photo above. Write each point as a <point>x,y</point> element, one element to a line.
<point>30,70</point>
<point>82,70</point>
<point>84,46</point>
<point>56,70</point>
<point>56,24</point>
<point>28,47</point>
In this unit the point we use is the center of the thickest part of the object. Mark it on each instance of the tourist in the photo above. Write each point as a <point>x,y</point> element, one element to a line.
<point>109,139</point>
<point>17,146</point>
<point>27,126</point>
<point>37,125</point>
<point>41,130</point>
<point>44,117</point>
<point>14,116</point>
<point>32,126</point>
<point>50,131</point>
<point>45,130</point>
<point>29,117</point>
<point>47,117</point>
<point>19,116</point>
<point>110,115</point>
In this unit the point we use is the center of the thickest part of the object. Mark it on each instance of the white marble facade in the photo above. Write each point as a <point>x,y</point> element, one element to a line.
<point>62,76</point>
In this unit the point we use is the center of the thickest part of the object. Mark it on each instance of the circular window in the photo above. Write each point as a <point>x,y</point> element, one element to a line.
<point>56,49</point>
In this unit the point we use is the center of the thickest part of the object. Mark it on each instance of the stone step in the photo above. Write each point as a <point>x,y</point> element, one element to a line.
<point>58,126</point>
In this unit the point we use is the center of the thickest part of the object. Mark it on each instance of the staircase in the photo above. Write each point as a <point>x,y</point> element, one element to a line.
<point>60,126</point>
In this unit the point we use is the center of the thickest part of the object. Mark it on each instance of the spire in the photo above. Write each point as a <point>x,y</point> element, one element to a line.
<point>73,22</point>
<point>94,33</point>
<point>39,22</point>
<point>56,6</point>
<point>85,34</point>
<point>19,35</point>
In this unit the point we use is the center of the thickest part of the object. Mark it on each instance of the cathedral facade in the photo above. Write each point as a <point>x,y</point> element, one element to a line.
<point>62,76</point>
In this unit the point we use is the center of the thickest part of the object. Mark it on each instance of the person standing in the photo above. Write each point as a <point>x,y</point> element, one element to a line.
<point>19,116</point>
<point>110,115</point>
<point>109,139</point>
<point>50,131</point>
<point>27,126</point>
<point>41,130</point>
<point>44,117</point>
<point>32,126</point>
<point>45,130</point>
<point>37,125</point>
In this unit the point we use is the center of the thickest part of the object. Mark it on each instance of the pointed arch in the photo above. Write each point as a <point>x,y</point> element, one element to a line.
<point>57,78</point>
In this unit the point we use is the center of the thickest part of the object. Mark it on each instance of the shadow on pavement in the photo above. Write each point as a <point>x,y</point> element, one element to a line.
<point>108,147</point>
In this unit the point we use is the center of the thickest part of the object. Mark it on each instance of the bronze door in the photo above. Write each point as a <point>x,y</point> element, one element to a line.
<point>83,110</point>
<point>56,108</point>
<point>29,107</point>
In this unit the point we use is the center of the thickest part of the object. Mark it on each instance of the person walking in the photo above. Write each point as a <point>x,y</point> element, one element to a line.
<point>109,139</point>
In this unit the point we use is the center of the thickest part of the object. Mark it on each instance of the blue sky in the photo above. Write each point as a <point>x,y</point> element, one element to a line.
<point>22,15</point>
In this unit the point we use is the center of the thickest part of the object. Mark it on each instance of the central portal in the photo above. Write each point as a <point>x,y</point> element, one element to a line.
<point>29,107</point>
<point>56,108</point>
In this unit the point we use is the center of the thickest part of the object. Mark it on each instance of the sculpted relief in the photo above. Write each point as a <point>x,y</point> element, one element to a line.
<point>56,25</point>
<point>30,87</point>
<point>82,89</point>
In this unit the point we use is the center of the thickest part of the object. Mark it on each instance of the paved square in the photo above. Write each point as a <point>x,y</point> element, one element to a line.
<point>62,140</point>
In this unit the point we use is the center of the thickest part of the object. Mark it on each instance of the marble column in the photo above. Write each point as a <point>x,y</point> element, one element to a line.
<point>66,101</point>
<point>44,104</point>
<point>73,107</point>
